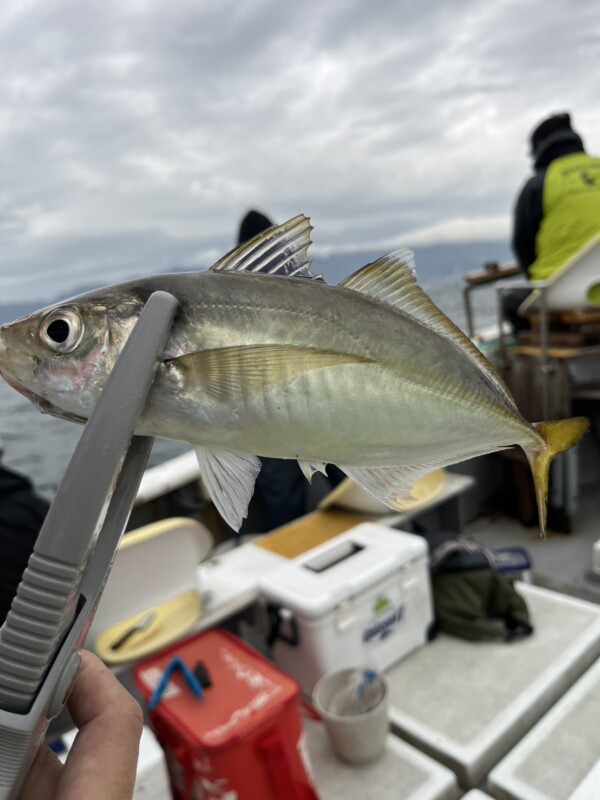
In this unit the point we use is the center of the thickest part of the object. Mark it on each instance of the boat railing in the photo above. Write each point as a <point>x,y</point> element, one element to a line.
<point>544,364</point>
<point>491,273</point>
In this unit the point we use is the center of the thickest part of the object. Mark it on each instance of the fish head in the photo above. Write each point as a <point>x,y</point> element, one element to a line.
<point>60,357</point>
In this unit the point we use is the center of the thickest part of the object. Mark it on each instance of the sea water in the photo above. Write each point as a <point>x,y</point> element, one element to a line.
<point>40,446</point>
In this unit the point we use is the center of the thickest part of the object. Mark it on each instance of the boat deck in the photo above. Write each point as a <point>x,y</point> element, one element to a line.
<point>561,561</point>
<point>514,685</point>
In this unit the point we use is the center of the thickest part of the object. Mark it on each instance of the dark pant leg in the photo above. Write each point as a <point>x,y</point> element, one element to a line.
<point>282,488</point>
<point>510,304</point>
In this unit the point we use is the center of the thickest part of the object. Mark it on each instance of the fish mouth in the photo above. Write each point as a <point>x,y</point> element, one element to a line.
<point>12,382</point>
<point>34,398</point>
<point>37,400</point>
<point>42,405</point>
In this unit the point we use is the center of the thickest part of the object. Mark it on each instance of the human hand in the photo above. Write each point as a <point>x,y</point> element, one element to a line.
<point>101,765</point>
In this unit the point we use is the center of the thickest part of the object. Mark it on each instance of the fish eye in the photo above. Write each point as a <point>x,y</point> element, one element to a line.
<point>61,330</point>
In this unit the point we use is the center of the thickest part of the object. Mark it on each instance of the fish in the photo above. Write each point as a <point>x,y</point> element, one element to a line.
<point>265,359</point>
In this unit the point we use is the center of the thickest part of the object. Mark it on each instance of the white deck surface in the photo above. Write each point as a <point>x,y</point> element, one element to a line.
<point>468,703</point>
<point>561,561</point>
<point>402,773</point>
<point>559,759</point>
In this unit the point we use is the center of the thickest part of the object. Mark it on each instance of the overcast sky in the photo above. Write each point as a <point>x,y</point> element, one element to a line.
<point>135,133</point>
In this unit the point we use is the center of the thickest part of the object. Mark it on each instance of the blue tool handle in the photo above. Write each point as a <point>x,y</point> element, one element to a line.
<point>176,663</point>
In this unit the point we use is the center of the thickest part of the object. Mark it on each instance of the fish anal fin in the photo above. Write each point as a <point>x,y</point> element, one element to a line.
<point>391,485</point>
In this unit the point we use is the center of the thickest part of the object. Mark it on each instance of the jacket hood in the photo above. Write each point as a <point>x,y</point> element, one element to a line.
<point>553,138</point>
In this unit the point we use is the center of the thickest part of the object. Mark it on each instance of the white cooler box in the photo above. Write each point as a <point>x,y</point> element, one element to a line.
<point>361,599</point>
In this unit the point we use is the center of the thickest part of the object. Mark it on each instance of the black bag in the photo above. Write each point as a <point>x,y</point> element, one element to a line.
<point>22,513</point>
<point>472,600</point>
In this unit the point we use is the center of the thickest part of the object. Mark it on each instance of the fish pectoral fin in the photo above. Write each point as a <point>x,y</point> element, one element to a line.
<point>280,250</point>
<point>309,469</point>
<point>229,478</point>
<point>231,373</point>
<point>391,485</point>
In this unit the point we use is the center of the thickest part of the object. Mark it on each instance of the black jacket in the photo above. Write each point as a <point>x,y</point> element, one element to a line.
<point>22,513</point>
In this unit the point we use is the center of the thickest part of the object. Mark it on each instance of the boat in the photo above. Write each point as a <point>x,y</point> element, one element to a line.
<point>540,684</point>
<point>428,753</point>
<point>470,504</point>
<point>560,574</point>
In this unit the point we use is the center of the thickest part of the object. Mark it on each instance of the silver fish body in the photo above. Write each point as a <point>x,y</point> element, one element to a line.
<point>368,375</point>
<point>362,401</point>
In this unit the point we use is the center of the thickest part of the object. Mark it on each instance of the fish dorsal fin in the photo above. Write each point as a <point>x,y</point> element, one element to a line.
<point>280,250</point>
<point>392,280</point>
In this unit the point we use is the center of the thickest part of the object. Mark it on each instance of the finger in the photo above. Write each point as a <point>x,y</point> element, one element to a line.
<point>96,691</point>
<point>43,776</point>
<point>102,762</point>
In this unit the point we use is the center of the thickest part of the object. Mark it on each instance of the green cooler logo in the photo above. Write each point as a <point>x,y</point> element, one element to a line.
<point>388,618</point>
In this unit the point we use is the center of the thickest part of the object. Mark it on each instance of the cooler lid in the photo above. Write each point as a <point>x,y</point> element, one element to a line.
<point>317,581</point>
<point>246,689</point>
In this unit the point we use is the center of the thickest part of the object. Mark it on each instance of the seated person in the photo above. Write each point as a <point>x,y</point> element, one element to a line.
<point>281,488</point>
<point>558,209</point>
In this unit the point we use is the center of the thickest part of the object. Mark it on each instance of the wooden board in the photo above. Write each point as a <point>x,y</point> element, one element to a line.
<point>493,274</point>
<point>567,317</point>
<point>310,531</point>
<point>555,352</point>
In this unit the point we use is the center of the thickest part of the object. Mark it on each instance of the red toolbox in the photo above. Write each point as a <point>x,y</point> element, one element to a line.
<point>243,739</point>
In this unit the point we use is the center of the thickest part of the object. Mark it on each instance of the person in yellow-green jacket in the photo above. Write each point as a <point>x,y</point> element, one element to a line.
<point>558,209</point>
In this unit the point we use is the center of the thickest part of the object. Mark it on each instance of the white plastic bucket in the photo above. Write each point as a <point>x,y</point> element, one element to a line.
<point>356,739</point>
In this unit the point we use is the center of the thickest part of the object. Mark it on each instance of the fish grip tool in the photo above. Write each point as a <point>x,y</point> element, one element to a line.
<point>67,571</point>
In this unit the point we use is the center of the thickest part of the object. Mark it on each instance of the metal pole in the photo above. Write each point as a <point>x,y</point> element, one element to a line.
<point>544,367</point>
<point>468,309</point>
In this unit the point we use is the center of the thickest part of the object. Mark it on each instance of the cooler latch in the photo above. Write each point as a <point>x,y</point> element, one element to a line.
<point>344,615</point>
<point>282,625</point>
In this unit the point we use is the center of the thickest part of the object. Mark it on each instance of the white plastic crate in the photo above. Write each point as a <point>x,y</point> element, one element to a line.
<point>402,772</point>
<point>361,599</point>
<point>468,703</point>
<point>559,759</point>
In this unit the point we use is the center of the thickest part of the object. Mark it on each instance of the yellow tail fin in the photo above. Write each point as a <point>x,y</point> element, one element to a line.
<point>558,436</point>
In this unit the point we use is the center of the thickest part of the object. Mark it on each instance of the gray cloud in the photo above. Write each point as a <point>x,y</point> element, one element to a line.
<point>134,134</point>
